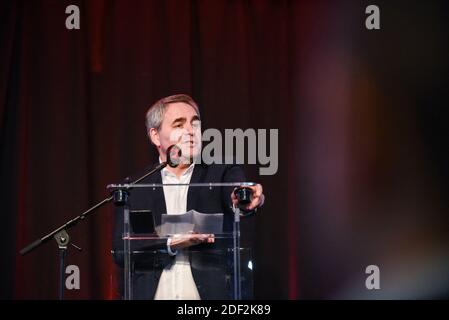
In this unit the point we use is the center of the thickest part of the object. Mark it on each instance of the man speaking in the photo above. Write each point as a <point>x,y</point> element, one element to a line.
<point>175,273</point>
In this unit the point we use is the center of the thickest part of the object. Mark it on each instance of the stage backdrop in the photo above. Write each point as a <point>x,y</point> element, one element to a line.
<point>363,157</point>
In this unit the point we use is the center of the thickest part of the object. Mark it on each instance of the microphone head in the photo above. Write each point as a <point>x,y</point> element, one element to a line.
<point>174,156</point>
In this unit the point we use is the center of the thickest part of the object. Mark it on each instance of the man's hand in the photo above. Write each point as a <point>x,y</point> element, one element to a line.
<point>257,200</point>
<point>188,240</point>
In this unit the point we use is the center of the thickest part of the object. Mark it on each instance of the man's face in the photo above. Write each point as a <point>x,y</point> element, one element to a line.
<point>181,126</point>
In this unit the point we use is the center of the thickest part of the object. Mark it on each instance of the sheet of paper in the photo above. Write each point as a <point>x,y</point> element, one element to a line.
<point>191,221</point>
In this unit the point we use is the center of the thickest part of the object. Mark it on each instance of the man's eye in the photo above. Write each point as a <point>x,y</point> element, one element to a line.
<point>178,125</point>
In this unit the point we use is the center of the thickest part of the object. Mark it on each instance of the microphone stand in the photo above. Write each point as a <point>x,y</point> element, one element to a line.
<point>61,236</point>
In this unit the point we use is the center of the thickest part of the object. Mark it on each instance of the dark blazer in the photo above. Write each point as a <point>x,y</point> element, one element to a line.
<point>210,270</point>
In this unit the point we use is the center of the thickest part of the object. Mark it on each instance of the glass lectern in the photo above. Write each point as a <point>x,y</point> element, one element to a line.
<point>219,269</point>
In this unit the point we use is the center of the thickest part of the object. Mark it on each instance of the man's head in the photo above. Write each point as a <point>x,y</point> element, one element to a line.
<point>175,120</point>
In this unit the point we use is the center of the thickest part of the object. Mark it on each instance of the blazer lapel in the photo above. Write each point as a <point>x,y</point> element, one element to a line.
<point>192,195</point>
<point>156,198</point>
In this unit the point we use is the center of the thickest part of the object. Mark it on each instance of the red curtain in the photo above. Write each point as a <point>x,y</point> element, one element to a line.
<point>73,118</point>
<point>358,112</point>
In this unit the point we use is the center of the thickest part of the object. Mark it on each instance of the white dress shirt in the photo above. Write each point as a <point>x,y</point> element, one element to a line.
<point>176,282</point>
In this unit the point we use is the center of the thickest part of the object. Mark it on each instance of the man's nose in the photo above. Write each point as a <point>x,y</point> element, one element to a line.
<point>189,129</point>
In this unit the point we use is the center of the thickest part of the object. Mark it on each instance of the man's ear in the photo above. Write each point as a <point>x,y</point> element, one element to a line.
<point>154,137</point>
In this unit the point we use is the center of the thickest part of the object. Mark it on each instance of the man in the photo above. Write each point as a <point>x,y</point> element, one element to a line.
<point>175,272</point>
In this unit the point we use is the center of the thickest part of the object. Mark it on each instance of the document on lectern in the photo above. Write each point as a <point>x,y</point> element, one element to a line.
<point>191,221</point>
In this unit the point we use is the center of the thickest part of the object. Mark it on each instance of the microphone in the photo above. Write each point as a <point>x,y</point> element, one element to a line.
<point>174,156</point>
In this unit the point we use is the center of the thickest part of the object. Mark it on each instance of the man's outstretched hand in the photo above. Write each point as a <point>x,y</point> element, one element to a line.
<point>188,240</point>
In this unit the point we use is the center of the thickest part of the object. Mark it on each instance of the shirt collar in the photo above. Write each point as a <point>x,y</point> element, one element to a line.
<point>166,172</point>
